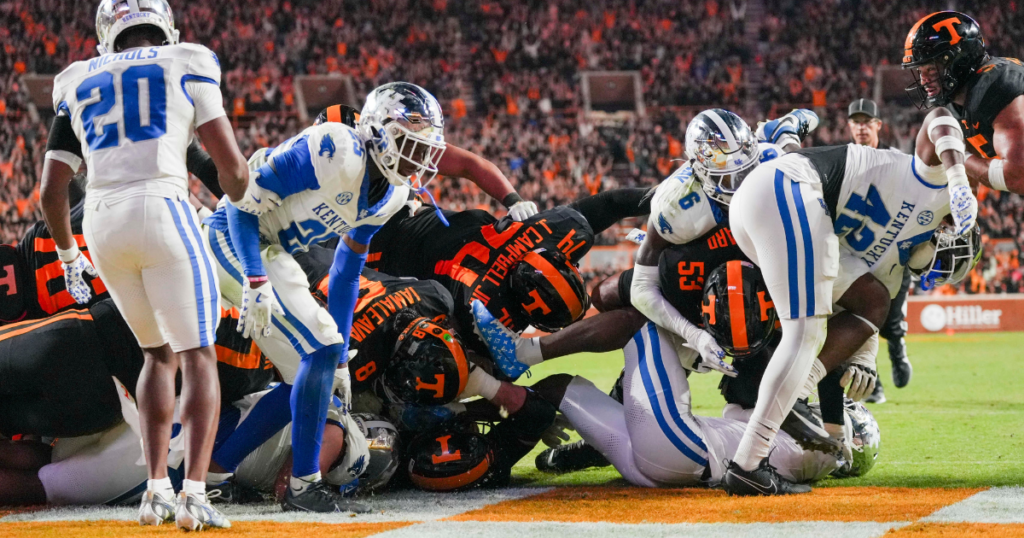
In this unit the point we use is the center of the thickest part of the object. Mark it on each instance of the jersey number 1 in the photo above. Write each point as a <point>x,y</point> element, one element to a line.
<point>145,106</point>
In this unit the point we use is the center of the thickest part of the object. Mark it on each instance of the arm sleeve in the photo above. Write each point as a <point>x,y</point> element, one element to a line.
<point>201,165</point>
<point>244,230</point>
<point>62,144</point>
<point>289,171</point>
<point>207,100</point>
<point>645,294</point>
<point>343,290</point>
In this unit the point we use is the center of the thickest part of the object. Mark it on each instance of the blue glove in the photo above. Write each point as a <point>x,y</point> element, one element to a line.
<point>789,129</point>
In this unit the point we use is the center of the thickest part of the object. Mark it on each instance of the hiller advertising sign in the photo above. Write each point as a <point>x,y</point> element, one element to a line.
<point>931,314</point>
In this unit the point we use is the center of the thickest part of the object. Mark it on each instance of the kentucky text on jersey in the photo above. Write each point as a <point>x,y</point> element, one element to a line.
<point>134,54</point>
<point>891,232</point>
<point>333,220</point>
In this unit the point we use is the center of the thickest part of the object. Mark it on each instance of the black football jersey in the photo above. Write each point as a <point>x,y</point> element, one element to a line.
<point>992,87</point>
<point>241,366</point>
<point>682,269</point>
<point>48,293</point>
<point>473,256</point>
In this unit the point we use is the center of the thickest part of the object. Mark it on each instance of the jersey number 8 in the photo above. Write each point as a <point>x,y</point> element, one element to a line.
<point>144,96</point>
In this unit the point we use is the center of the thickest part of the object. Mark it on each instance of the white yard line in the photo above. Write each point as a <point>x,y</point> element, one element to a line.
<point>997,505</point>
<point>480,529</point>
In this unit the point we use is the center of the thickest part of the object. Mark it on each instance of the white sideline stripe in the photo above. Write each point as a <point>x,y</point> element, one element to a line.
<point>482,529</point>
<point>997,505</point>
<point>397,506</point>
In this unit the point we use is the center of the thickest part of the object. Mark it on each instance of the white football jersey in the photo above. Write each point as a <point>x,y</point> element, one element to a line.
<point>682,212</point>
<point>333,169</point>
<point>134,117</point>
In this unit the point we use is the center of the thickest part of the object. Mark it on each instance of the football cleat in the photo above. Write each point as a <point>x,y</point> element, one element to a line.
<point>878,395</point>
<point>194,513</point>
<point>570,457</point>
<point>805,427</point>
<point>789,129</point>
<point>500,341</point>
<point>231,492</point>
<point>901,368</point>
<point>155,509</point>
<point>320,498</point>
<point>764,480</point>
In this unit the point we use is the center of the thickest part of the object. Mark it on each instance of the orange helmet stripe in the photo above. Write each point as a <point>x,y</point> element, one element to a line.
<point>334,114</point>
<point>454,346</point>
<point>448,483</point>
<point>558,281</point>
<point>908,45</point>
<point>737,310</point>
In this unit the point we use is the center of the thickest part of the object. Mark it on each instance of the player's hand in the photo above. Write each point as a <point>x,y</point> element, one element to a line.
<point>557,433</point>
<point>789,129</point>
<point>859,381</point>
<point>257,200</point>
<point>712,356</point>
<point>343,387</point>
<point>964,207</point>
<point>522,210</point>
<point>74,278</point>
<point>258,308</point>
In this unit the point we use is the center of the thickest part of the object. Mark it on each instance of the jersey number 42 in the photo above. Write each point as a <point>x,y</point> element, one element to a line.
<point>144,97</point>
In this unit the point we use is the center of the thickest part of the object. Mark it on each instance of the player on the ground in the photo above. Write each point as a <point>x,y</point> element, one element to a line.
<point>131,113</point>
<point>984,94</point>
<point>879,205</point>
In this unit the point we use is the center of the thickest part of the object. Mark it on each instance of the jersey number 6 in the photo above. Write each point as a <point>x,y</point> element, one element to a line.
<point>144,97</point>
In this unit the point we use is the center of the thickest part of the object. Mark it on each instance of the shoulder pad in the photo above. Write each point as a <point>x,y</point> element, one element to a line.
<point>202,62</point>
<point>768,151</point>
<point>337,153</point>
<point>680,211</point>
<point>59,81</point>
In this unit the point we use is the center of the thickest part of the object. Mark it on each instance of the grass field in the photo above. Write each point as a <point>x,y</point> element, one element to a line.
<point>951,465</point>
<point>960,422</point>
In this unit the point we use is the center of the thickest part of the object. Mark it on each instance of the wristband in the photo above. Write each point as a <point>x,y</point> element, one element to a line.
<point>511,199</point>
<point>257,279</point>
<point>995,175</point>
<point>69,255</point>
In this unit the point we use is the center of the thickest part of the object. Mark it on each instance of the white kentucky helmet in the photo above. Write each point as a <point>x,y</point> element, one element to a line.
<point>403,128</point>
<point>116,16</point>
<point>722,150</point>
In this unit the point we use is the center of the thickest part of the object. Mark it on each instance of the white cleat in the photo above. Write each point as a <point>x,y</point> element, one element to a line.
<point>194,513</point>
<point>155,509</point>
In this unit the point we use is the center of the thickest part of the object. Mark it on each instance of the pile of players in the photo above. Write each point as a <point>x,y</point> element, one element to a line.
<point>323,259</point>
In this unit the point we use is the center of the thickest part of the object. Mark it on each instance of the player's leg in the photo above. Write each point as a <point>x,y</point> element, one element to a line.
<point>103,471</point>
<point>180,279</point>
<point>894,330</point>
<point>791,239</point>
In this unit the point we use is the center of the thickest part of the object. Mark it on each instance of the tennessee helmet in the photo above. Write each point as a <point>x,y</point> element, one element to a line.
<point>454,457</point>
<point>403,128</point>
<point>429,366</point>
<point>953,257</point>
<point>722,151</point>
<point>115,16</point>
<point>861,431</point>
<point>549,289</point>
<point>338,114</point>
<point>952,41</point>
<point>737,309</point>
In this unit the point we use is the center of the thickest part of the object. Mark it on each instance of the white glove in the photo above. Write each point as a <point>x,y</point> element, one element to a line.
<point>257,200</point>
<point>522,210</point>
<point>343,387</point>
<point>859,381</point>
<point>964,207</point>
<point>74,280</point>
<point>556,433</point>
<point>712,356</point>
<point>258,308</point>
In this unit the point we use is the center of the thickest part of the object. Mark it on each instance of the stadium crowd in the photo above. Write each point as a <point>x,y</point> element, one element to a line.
<point>510,81</point>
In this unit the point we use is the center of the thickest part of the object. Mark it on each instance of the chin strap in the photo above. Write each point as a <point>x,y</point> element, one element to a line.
<point>423,191</point>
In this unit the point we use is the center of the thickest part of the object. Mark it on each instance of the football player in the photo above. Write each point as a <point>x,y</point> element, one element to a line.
<point>130,114</point>
<point>983,94</point>
<point>845,217</point>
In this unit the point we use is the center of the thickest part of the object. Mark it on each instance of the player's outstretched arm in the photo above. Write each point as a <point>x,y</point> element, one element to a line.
<point>1005,173</point>
<point>458,162</point>
<point>232,170</point>
<point>940,139</point>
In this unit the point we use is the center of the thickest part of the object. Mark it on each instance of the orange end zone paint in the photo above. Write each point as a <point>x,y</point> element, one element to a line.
<point>620,505</point>
<point>958,530</point>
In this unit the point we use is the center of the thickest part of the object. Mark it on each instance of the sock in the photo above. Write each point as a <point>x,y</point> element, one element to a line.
<point>835,431</point>
<point>194,487</point>
<point>161,486</point>
<point>815,377</point>
<point>528,351</point>
<point>510,397</point>
<point>266,418</point>
<point>302,483</point>
<point>310,398</point>
<point>755,445</point>
<point>213,479</point>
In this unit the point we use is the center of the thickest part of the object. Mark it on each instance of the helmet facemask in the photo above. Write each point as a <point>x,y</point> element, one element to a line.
<point>722,151</point>
<point>403,127</point>
<point>954,257</point>
<point>115,16</point>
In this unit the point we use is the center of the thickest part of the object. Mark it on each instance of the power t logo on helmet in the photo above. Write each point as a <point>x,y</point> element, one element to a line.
<point>943,49</point>
<point>737,310</point>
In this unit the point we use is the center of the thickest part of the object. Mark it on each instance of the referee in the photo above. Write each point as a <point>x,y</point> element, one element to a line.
<point>864,126</point>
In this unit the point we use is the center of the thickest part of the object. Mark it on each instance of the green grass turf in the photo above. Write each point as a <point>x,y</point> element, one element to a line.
<point>960,422</point>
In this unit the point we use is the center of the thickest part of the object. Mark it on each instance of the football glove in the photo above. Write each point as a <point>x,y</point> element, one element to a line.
<point>557,433</point>
<point>964,207</point>
<point>523,210</point>
<point>789,129</point>
<point>74,278</point>
<point>859,381</point>
<point>343,388</point>
<point>710,356</point>
<point>258,308</point>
